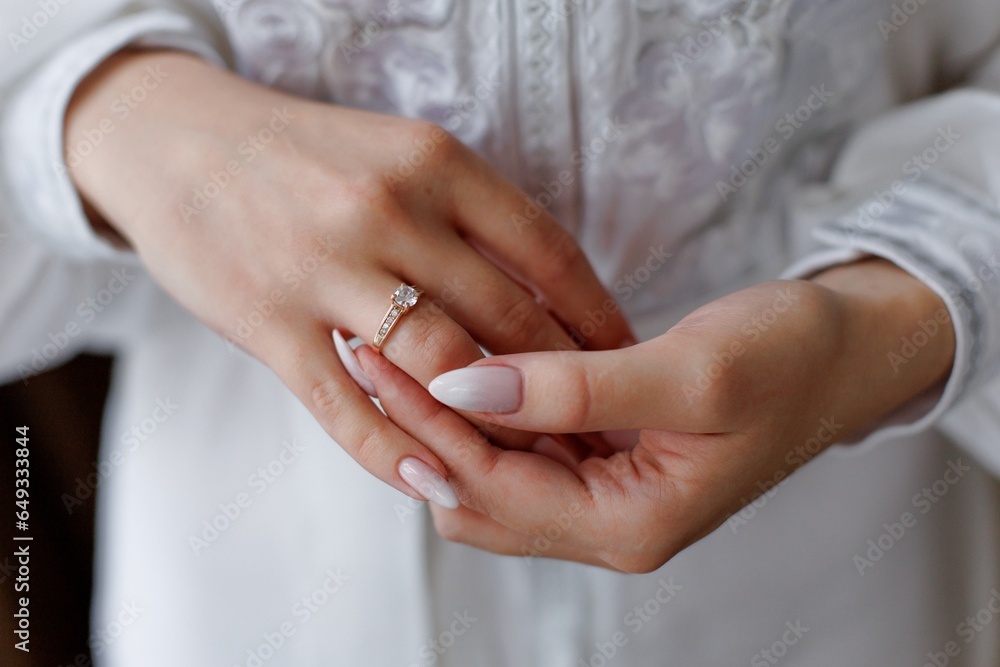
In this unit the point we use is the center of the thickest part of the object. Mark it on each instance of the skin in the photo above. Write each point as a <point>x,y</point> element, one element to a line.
<point>699,456</point>
<point>820,371</point>
<point>315,226</point>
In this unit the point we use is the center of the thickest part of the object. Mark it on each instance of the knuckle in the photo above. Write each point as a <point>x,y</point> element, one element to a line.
<point>470,489</point>
<point>637,560</point>
<point>636,563</point>
<point>560,257</point>
<point>434,338</point>
<point>439,336</point>
<point>367,192</point>
<point>328,400</point>
<point>353,201</point>
<point>577,404</point>
<point>519,323</point>
<point>428,143</point>
<point>449,526</point>
<point>369,448</point>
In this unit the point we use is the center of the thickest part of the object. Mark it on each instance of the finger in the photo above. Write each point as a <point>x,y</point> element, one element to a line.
<point>529,243</point>
<point>424,342</point>
<point>570,392</point>
<point>466,526</point>
<point>569,455</point>
<point>590,513</point>
<point>350,363</point>
<point>307,362</point>
<point>519,489</point>
<point>499,313</point>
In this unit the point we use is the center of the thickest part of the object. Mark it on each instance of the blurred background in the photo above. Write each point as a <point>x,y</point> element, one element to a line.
<point>63,410</point>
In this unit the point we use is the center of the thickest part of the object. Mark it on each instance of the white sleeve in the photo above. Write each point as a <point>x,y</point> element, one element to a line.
<point>52,307</point>
<point>52,263</point>
<point>39,191</point>
<point>919,186</point>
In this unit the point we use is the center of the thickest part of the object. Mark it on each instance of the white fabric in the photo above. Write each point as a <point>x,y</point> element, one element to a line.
<point>653,106</point>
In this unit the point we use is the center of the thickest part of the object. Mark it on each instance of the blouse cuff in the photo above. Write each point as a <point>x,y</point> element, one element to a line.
<point>907,227</point>
<point>40,192</point>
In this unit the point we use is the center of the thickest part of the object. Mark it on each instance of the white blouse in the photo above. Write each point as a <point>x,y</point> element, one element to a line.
<point>733,140</point>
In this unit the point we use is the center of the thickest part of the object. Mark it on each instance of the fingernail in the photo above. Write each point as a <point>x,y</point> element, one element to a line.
<point>550,447</point>
<point>427,482</point>
<point>351,364</point>
<point>479,389</point>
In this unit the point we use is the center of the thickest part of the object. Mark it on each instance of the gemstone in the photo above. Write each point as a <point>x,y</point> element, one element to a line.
<point>405,296</point>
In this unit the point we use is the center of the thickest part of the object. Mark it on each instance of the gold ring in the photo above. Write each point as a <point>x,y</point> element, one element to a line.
<point>404,298</point>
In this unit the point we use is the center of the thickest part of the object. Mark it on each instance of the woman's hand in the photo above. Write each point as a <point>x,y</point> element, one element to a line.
<point>276,219</point>
<point>730,402</point>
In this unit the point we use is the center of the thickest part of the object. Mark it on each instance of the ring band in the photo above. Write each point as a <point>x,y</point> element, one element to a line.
<point>404,298</point>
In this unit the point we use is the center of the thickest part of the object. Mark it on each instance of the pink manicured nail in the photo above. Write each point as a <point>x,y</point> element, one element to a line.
<point>351,364</point>
<point>427,482</point>
<point>479,389</point>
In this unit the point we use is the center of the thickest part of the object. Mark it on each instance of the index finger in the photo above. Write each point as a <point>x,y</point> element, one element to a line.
<point>519,489</point>
<point>529,243</point>
<point>424,342</point>
<point>621,512</point>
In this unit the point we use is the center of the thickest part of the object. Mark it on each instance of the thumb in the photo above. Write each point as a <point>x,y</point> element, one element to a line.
<point>561,392</point>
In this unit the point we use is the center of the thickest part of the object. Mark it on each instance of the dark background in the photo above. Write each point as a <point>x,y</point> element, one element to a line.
<point>62,410</point>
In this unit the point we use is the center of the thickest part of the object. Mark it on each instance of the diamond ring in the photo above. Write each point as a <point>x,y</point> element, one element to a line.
<point>404,298</point>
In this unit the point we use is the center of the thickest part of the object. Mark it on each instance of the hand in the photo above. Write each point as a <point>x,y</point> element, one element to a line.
<point>275,219</point>
<point>730,402</point>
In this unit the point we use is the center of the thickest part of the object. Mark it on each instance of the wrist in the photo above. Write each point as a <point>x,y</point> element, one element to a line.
<point>899,340</point>
<point>104,126</point>
<point>152,120</point>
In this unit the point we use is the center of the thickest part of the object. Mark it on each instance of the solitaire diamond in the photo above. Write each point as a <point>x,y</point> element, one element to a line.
<point>405,296</point>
